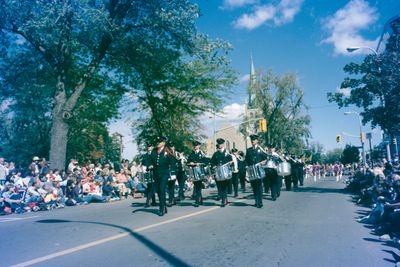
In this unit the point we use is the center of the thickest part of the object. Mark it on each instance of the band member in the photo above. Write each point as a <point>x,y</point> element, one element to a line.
<point>150,189</point>
<point>161,161</point>
<point>197,158</point>
<point>242,170</point>
<point>172,178</point>
<point>256,155</point>
<point>235,173</point>
<point>271,175</point>
<point>181,175</point>
<point>221,157</point>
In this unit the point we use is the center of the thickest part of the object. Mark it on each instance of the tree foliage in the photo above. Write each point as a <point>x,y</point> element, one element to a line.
<point>332,156</point>
<point>375,86</point>
<point>88,51</point>
<point>174,95</point>
<point>280,100</point>
<point>350,155</point>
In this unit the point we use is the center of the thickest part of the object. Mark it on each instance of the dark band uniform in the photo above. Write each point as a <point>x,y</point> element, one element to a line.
<point>197,157</point>
<point>150,189</point>
<point>221,157</point>
<point>255,155</point>
<point>161,161</point>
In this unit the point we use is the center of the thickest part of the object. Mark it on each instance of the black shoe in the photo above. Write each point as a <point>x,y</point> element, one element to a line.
<point>273,198</point>
<point>196,205</point>
<point>259,206</point>
<point>161,213</point>
<point>169,205</point>
<point>154,204</point>
<point>236,195</point>
<point>222,204</point>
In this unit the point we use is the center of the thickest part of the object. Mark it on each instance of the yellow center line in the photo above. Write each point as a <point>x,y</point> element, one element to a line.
<point>114,237</point>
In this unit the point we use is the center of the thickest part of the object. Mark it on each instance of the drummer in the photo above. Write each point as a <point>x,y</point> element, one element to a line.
<point>271,174</point>
<point>256,155</point>
<point>150,188</point>
<point>221,157</point>
<point>174,168</point>
<point>197,159</point>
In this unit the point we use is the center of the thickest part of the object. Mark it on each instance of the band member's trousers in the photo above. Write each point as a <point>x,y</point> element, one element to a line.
<point>171,191</point>
<point>272,178</point>
<point>230,183</point>
<point>242,178</point>
<point>151,193</point>
<point>256,185</point>
<point>266,184</point>
<point>161,182</point>
<point>288,182</point>
<point>181,181</point>
<point>223,189</point>
<point>301,176</point>
<point>235,183</point>
<point>198,185</point>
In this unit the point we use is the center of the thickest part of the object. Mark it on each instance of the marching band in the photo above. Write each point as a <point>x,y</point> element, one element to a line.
<point>264,168</point>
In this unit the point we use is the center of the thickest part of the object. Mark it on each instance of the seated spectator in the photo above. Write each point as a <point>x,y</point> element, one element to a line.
<point>13,199</point>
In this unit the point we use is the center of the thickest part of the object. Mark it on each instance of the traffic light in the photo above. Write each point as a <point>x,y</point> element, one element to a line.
<point>338,138</point>
<point>263,125</point>
<point>362,137</point>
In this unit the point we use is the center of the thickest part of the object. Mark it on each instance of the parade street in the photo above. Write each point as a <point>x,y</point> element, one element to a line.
<point>312,226</point>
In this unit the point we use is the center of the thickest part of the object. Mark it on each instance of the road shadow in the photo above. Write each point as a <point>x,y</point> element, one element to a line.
<point>147,210</point>
<point>161,252</point>
<point>396,257</point>
<point>321,190</point>
<point>240,204</point>
<point>135,205</point>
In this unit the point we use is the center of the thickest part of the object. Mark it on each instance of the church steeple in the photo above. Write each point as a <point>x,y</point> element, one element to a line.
<point>252,82</point>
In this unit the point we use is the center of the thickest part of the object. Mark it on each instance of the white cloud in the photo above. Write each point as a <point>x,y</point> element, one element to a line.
<point>244,78</point>
<point>288,9</point>
<point>278,14</point>
<point>260,15</point>
<point>344,91</point>
<point>237,3</point>
<point>345,25</point>
<point>230,114</point>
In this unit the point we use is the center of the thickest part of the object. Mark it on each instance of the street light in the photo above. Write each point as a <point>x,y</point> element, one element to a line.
<point>361,134</point>
<point>355,48</point>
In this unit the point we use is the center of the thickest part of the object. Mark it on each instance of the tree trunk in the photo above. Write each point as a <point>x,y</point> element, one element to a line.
<point>58,141</point>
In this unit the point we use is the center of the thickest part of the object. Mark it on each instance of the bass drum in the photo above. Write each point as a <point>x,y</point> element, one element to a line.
<point>284,169</point>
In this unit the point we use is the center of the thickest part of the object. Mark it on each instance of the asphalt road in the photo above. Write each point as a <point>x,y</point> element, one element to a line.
<point>312,226</point>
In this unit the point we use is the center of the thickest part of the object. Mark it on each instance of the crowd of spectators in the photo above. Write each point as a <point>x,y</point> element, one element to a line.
<point>38,187</point>
<point>379,188</point>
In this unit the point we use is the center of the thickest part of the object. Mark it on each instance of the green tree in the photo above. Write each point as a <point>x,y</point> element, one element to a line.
<point>279,100</point>
<point>79,41</point>
<point>332,156</point>
<point>375,86</point>
<point>350,155</point>
<point>173,96</point>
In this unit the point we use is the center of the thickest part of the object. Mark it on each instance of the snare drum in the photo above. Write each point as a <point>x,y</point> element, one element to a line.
<point>284,169</point>
<point>255,172</point>
<point>223,173</point>
<point>196,173</point>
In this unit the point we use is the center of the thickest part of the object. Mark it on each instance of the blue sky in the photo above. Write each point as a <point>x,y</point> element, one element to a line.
<point>307,37</point>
